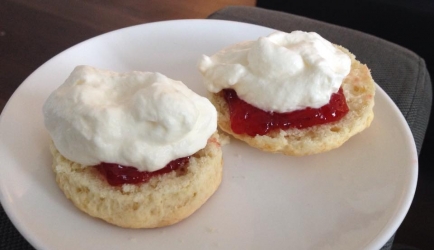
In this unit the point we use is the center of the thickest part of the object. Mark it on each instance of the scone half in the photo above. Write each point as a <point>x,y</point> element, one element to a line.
<point>164,200</point>
<point>359,91</point>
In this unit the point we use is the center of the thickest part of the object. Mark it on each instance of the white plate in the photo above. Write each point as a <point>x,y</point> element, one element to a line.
<point>354,197</point>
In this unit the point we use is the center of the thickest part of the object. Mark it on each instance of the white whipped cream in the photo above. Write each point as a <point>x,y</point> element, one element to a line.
<point>282,72</point>
<point>138,119</point>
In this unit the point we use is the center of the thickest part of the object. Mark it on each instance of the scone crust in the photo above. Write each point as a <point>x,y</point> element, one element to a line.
<point>359,91</point>
<point>163,201</point>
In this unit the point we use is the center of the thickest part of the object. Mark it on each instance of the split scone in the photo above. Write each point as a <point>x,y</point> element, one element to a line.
<point>137,149</point>
<point>291,93</point>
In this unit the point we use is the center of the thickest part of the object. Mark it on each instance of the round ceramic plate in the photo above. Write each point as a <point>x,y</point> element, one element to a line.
<point>354,197</point>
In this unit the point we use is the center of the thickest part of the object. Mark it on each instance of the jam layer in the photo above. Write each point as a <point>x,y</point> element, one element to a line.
<point>247,119</point>
<point>117,175</point>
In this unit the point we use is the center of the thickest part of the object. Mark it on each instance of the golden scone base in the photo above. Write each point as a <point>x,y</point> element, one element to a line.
<point>163,201</point>
<point>359,91</point>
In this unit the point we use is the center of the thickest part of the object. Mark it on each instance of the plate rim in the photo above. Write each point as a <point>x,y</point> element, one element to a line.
<point>387,232</point>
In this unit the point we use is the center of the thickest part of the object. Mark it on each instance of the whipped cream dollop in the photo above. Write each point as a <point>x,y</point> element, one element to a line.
<point>139,119</point>
<point>282,72</point>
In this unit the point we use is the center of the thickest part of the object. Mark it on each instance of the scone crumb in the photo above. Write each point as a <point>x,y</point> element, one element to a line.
<point>225,139</point>
<point>211,230</point>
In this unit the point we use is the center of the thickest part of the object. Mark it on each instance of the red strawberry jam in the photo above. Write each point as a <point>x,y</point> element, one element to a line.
<point>247,119</point>
<point>117,174</point>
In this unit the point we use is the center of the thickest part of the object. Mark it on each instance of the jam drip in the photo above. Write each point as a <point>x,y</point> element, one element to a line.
<point>247,119</point>
<point>117,174</point>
